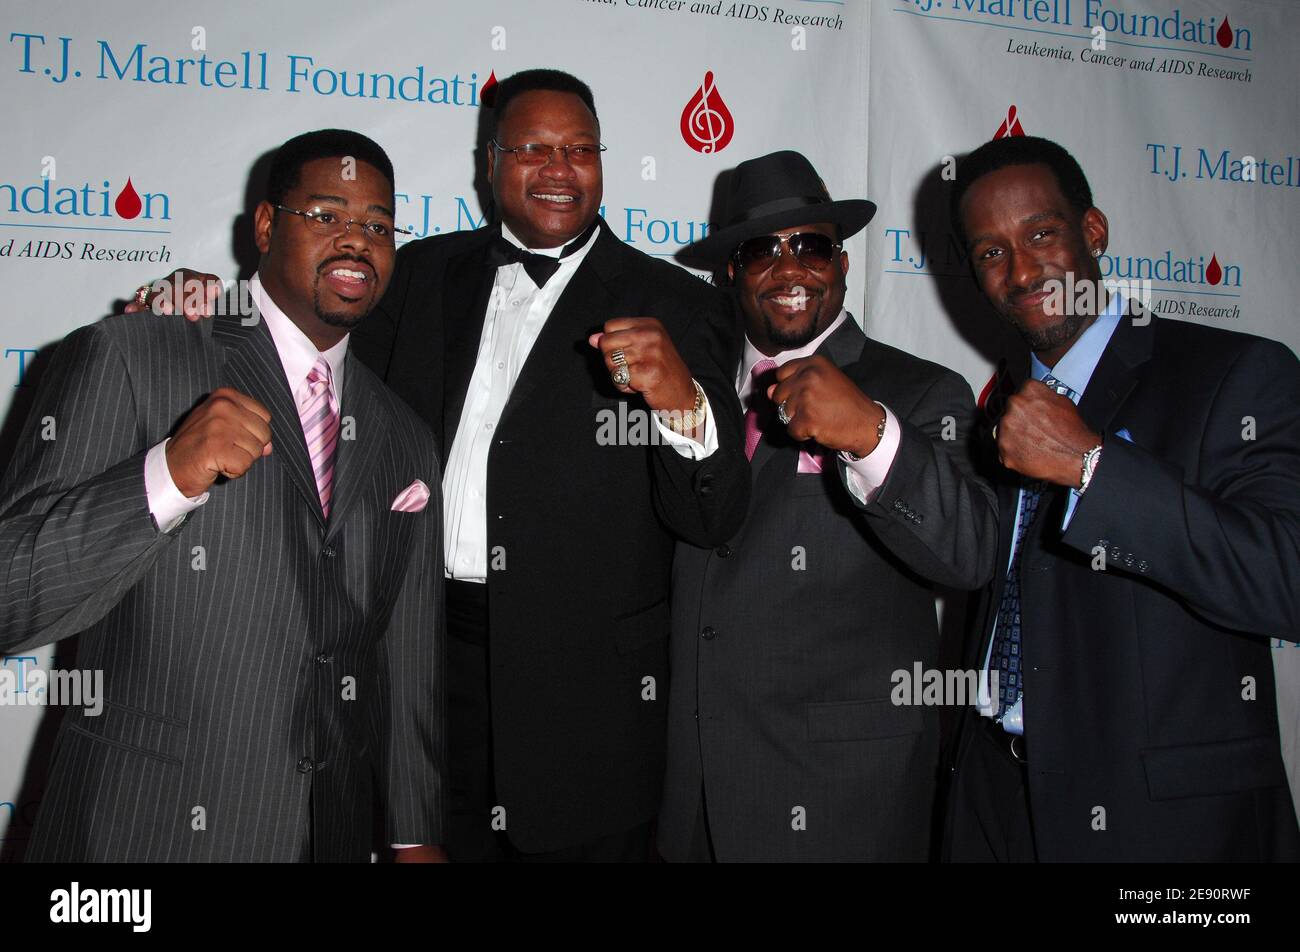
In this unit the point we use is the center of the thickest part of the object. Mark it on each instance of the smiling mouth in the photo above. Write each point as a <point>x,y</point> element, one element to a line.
<point>799,299</point>
<point>554,198</point>
<point>348,282</point>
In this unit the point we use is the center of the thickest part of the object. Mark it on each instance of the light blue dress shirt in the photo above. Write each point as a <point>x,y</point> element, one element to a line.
<point>1075,371</point>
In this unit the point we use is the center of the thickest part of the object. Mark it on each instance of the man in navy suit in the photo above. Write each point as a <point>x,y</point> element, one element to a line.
<point>1150,545</point>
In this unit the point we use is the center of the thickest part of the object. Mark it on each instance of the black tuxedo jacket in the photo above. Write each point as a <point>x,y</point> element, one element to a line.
<point>810,608</point>
<point>262,665</point>
<point>579,612</point>
<point>1149,687</point>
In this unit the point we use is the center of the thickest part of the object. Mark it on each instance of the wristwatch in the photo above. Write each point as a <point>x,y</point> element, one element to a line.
<point>1090,460</point>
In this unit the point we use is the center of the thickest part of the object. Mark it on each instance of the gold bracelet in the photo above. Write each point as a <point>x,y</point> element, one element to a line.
<point>692,418</point>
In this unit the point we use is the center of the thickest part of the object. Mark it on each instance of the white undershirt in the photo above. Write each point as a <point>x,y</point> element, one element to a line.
<point>516,313</point>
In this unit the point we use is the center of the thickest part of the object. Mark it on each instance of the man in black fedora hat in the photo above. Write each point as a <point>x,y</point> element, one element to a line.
<point>786,738</point>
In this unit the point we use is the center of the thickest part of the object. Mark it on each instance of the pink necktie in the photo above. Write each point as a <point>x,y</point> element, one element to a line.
<point>319,413</point>
<point>757,398</point>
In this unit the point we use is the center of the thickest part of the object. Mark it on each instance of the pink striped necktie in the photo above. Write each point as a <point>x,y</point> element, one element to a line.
<point>757,398</point>
<point>319,411</point>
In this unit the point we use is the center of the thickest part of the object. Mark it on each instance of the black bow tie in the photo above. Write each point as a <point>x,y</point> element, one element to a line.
<point>539,267</point>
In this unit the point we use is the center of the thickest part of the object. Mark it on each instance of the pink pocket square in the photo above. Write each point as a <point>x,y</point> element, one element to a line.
<point>413,498</point>
<point>808,463</point>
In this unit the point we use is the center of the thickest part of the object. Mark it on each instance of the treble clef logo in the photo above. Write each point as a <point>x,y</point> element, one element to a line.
<point>706,121</point>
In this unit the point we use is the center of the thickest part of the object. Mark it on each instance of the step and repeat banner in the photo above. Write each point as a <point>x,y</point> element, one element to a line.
<point>1185,116</point>
<point>136,134</point>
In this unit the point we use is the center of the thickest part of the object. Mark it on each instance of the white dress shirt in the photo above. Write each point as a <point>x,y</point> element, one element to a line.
<point>516,313</point>
<point>865,476</point>
<point>297,356</point>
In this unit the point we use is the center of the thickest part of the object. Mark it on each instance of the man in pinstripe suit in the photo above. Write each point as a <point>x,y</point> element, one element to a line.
<point>243,525</point>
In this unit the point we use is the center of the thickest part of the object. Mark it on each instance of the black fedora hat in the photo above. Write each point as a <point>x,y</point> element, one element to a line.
<point>767,194</point>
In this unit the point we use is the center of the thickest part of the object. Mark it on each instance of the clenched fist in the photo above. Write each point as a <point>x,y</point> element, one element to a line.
<point>222,436</point>
<point>184,291</point>
<point>826,406</point>
<point>657,371</point>
<point>1042,436</point>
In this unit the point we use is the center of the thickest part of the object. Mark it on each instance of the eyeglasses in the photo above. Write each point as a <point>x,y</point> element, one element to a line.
<point>328,221</point>
<point>538,153</point>
<point>812,249</point>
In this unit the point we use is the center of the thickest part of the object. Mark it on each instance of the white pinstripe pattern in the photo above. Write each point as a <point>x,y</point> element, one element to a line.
<point>220,681</point>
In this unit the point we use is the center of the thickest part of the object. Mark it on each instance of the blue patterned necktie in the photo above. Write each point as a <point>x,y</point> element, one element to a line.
<point>1006,655</point>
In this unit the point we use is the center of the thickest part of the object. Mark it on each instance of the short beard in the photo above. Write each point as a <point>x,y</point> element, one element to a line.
<point>790,340</point>
<point>345,321</point>
<point>1050,338</point>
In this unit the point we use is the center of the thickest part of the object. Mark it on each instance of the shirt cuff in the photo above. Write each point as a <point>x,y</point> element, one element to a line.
<point>1070,505</point>
<point>166,503</point>
<point>687,447</point>
<point>865,476</point>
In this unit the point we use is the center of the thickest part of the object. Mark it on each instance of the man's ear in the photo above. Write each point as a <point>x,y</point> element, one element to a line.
<point>844,262</point>
<point>263,221</point>
<point>1096,231</point>
<point>731,272</point>
<point>491,160</point>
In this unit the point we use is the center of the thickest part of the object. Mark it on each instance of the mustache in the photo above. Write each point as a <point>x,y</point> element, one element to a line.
<point>347,259</point>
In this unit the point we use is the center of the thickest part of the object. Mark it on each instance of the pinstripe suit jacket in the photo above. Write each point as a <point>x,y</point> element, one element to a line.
<point>263,666</point>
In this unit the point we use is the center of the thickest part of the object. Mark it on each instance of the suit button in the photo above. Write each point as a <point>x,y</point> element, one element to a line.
<point>328,552</point>
<point>706,484</point>
<point>323,658</point>
<point>708,634</point>
<point>304,765</point>
<point>723,550</point>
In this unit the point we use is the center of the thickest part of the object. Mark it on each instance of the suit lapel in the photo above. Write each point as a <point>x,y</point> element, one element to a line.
<point>467,289</point>
<point>1117,372</point>
<point>356,456</point>
<point>588,300</point>
<point>253,367</point>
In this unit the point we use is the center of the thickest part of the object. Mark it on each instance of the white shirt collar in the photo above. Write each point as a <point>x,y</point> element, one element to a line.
<point>297,353</point>
<point>574,258</point>
<point>753,355</point>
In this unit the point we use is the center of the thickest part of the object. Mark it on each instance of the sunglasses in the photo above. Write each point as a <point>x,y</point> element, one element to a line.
<point>811,249</point>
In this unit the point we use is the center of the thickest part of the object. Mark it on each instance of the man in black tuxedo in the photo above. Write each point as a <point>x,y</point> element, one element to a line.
<point>785,742</point>
<point>1150,545</point>
<point>516,343</point>
<point>241,523</point>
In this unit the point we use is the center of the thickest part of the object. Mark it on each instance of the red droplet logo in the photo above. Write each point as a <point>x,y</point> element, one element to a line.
<point>1213,273</point>
<point>1224,36</point>
<point>1010,125</point>
<point>128,203</point>
<point>488,94</point>
<point>707,125</point>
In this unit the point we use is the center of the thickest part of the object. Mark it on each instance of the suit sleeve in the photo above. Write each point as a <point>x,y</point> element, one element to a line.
<point>75,528</point>
<point>933,512</point>
<point>413,731</point>
<point>1225,540</point>
<point>704,501</point>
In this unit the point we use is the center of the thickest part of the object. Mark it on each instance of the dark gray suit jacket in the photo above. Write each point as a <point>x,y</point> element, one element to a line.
<point>226,645</point>
<point>782,675</point>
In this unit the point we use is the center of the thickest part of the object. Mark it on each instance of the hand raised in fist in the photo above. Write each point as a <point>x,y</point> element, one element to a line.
<point>187,292</point>
<point>222,436</point>
<point>825,406</point>
<point>655,369</point>
<point>1041,435</point>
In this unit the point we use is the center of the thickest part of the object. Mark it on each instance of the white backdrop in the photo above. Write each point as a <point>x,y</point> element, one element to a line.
<point>182,98</point>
